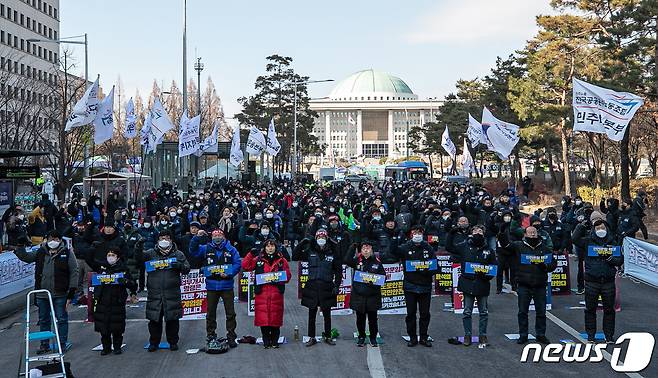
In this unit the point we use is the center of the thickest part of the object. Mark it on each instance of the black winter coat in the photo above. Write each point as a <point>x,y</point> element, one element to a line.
<point>320,291</point>
<point>106,243</point>
<point>110,300</point>
<point>474,284</point>
<point>532,275</point>
<point>598,268</point>
<point>365,297</point>
<point>163,286</point>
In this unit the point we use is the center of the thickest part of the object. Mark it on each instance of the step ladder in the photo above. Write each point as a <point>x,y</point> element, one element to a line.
<point>43,335</point>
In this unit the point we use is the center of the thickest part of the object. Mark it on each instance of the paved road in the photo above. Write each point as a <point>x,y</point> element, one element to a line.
<point>392,359</point>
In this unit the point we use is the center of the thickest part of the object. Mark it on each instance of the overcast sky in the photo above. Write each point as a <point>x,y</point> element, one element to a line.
<point>429,44</point>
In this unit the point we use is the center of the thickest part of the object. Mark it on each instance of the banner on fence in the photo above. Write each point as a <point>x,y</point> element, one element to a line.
<point>641,260</point>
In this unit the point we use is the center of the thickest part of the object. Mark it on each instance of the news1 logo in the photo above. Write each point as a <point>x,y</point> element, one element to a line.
<point>638,352</point>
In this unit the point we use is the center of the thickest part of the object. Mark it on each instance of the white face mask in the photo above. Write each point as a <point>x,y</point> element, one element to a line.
<point>601,233</point>
<point>53,244</point>
<point>269,215</point>
<point>21,216</point>
<point>98,203</point>
<point>147,225</point>
<point>295,204</point>
<point>445,217</point>
<point>321,242</point>
<point>164,244</point>
<point>507,219</point>
<point>112,260</point>
<point>163,222</point>
<point>179,211</point>
<point>265,232</point>
<point>332,209</point>
<point>258,217</point>
<point>417,238</point>
<point>172,214</point>
<point>83,203</point>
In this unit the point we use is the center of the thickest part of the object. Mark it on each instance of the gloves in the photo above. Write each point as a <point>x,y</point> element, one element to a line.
<point>71,293</point>
<point>176,265</point>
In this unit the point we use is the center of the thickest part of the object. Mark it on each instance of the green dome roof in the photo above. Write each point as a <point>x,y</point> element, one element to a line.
<point>372,85</point>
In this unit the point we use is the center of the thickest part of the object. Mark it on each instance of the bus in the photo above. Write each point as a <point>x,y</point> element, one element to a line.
<point>407,171</point>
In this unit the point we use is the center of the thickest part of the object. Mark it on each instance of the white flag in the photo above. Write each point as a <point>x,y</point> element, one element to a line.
<point>209,144</point>
<point>467,160</point>
<point>350,120</point>
<point>601,110</point>
<point>273,146</point>
<point>131,120</point>
<point>160,122</point>
<point>501,136</point>
<point>104,121</point>
<point>188,138</point>
<point>84,111</point>
<point>447,144</point>
<point>255,141</point>
<point>145,131</point>
<point>236,153</point>
<point>474,131</point>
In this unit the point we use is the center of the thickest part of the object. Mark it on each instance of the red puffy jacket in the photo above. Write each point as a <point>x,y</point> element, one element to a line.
<point>269,301</point>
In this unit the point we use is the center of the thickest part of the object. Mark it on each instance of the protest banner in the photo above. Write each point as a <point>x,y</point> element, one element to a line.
<point>392,292</point>
<point>561,276</point>
<point>193,295</point>
<point>15,275</point>
<point>443,277</point>
<point>344,291</point>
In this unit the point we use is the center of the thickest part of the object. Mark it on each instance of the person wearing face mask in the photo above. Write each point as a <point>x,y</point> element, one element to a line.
<point>366,297</point>
<point>269,298</point>
<point>600,272</point>
<point>83,235</point>
<point>55,270</point>
<point>558,232</point>
<point>275,221</point>
<point>417,284</point>
<point>324,278</point>
<point>572,216</point>
<point>227,224</point>
<point>96,207</point>
<point>163,303</point>
<point>475,284</point>
<point>535,222</point>
<point>134,257</point>
<point>222,264</point>
<point>586,216</point>
<point>534,262</point>
<point>110,239</point>
<point>373,228</point>
<point>338,235</point>
<point>389,242</point>
<point>434,228</point>
<point>628,223</point>
<point>458,235</point>
<point>110,301</point>
<point>567,204</point>
<point>487,217</point>
<point>510,230</point>
<point>163,224</point>
<point>293,223</point>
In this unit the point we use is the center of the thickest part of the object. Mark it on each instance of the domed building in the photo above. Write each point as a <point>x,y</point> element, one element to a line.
<point>367,115</point>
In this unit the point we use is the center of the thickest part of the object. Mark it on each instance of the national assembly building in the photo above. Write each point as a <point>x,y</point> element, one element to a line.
<point>367,115</point>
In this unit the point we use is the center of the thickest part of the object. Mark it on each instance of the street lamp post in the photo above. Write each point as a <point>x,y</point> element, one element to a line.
<point>294,119</point>
<point>60,41</point>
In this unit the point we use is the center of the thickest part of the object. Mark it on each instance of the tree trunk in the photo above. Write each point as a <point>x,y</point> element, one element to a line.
<point>566,167</point>
<point>551,170</point>
<point>441,155</point>
<point>625,176</point>
<point>429,157</point>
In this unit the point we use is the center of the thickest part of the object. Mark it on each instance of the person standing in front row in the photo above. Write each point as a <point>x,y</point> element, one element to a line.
<point>475,285</point>
<point>366,296</point>
<point>269,300</point>
<point>221,264</point>
<point>324,278</point>
<point>166,264</point>
<point>600,273</point>
<point>416,256</point>
<point>535,261</point>
<point>56,270</point>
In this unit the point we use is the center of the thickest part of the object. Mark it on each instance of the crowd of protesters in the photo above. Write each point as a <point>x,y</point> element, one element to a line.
<point>262,227</point>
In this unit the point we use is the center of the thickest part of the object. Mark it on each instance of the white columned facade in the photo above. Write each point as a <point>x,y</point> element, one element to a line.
<point>391,134</point>
<point>359,134</point>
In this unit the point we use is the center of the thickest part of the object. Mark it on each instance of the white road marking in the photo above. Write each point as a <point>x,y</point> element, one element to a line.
<point>375,363</point>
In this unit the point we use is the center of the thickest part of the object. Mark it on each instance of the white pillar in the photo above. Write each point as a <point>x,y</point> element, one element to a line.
<point>391,136</point>
<point>327,134</point>
<point>359,134</point>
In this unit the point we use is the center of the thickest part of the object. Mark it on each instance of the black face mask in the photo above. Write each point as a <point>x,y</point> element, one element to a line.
<point>533,241</point>
<point>478,239</point>
<point>552,216</point>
